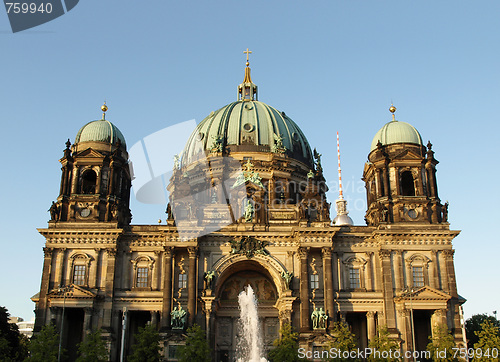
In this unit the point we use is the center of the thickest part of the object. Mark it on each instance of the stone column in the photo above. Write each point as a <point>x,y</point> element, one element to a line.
<point>450,270</point>
<point>398,270</point>
<point>340,274</point>
<point>167,287</point>
<point>386,182</point>
<point>108,288</point>
<point>93,269</point>
<point>444,272</point>
<point>378,287</point>
<point>328,283</point>
<point>154,318</point>
<point>98,180</point>
<point>87,321</point>
<point>335,271</point>
<point>59,279</point>
<point>156,270</point>
<point>304,290</point>
<point>41,309</point>
<point>192,273</point>
<point>74,183</point>
<point>433,277</point>
<point>370,324</point>
<point>439,318</point>
<point>369,271</point>
<point>385,256</point>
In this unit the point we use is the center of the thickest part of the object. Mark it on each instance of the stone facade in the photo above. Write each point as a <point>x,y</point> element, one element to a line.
<point>98,268</point>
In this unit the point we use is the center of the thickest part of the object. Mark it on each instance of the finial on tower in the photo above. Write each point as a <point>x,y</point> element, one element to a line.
<point>104,108</point>
<point>392,109</point>
<point>247,52</point>
<point>247,91</point>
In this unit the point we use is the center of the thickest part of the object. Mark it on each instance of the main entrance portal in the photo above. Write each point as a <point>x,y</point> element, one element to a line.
<point>227,329</point>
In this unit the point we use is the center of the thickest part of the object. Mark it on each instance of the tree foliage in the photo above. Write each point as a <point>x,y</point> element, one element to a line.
<point>441,345</point>
<point>12,343</point>
<point>286,347</point>
<point>44,346</point>
<point>473,325</point>
<point>488,341</point>
<point>93,348</point>
<point>344,341</point>
<point>146,347</point>
<point>383,345</point>
<point>196,347</point>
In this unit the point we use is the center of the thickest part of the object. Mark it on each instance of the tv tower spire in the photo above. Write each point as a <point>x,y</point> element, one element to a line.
<point>342,219</point>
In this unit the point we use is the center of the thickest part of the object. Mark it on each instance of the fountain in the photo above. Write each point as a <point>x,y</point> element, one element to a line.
<point>249,348</point>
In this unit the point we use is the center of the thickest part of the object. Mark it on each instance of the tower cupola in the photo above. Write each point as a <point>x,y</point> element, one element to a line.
<point>95,181</point>
<point>400,177</point>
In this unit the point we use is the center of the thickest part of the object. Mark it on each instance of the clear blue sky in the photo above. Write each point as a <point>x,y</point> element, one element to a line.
<point>332,65</point>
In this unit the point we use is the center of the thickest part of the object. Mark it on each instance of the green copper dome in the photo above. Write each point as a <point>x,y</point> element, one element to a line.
<point>248,126</point>
<point>396,132</point>
<point>100,131</point>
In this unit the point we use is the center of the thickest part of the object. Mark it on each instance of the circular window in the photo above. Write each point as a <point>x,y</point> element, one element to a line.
<point>248,106</point>
<point>248,127</point>
<point>85,212</point>
<point>412,213</point>
<point>200,136</point>
<point>295,136</point>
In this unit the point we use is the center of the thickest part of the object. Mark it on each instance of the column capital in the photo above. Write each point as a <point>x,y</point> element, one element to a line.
<point>327,252</point>
<point>193,251</point>
<point>47,252</point>
<point>384,253</point>
<point>111,252</point>
<point>168,251</point>
<point>370,314</point>
<point>403,312</point>
<point>449,253</point>
<point>303,252</point>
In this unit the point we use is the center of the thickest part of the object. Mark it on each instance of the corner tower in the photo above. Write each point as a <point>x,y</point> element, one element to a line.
<point>400,177</point>
<point>95,181</point>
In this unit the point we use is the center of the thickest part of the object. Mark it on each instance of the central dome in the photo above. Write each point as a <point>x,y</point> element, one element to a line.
<point>248,126</point>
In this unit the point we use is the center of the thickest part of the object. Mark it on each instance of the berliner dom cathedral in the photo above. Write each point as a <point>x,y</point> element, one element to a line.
<point>248,206</point>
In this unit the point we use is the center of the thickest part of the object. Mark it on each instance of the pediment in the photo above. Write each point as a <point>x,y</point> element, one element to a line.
<point>76,292</point>
<point>407,155</point>
<point>90,153</point>
<point>425,293</point>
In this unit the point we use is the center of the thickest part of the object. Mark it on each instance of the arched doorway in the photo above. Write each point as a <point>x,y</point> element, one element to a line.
<point>226,322</point>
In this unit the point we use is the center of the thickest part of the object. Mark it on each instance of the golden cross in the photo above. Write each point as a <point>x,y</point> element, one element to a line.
<point>247,52</point>
<point>248,165</point>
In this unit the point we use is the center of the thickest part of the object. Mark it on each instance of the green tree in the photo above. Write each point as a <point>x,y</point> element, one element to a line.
<point>488,341</point>
<point>146,347</point>
<point>344,341</point>
<point>196,347</point>
<point>441,345</point>
<point>44,346</point>
<point>12,343</point>
<point>473,325</point>
<point>93,348</point>
<point>286,347</point>
<point>383,345</point>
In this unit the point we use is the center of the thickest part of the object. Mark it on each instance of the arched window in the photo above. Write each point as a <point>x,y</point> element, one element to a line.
<point>142,268</point>
<point>417,270</point>
<point>354,268</point>
<point>79,267</point>
<point>407,184</point>
<point>89,180</point>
